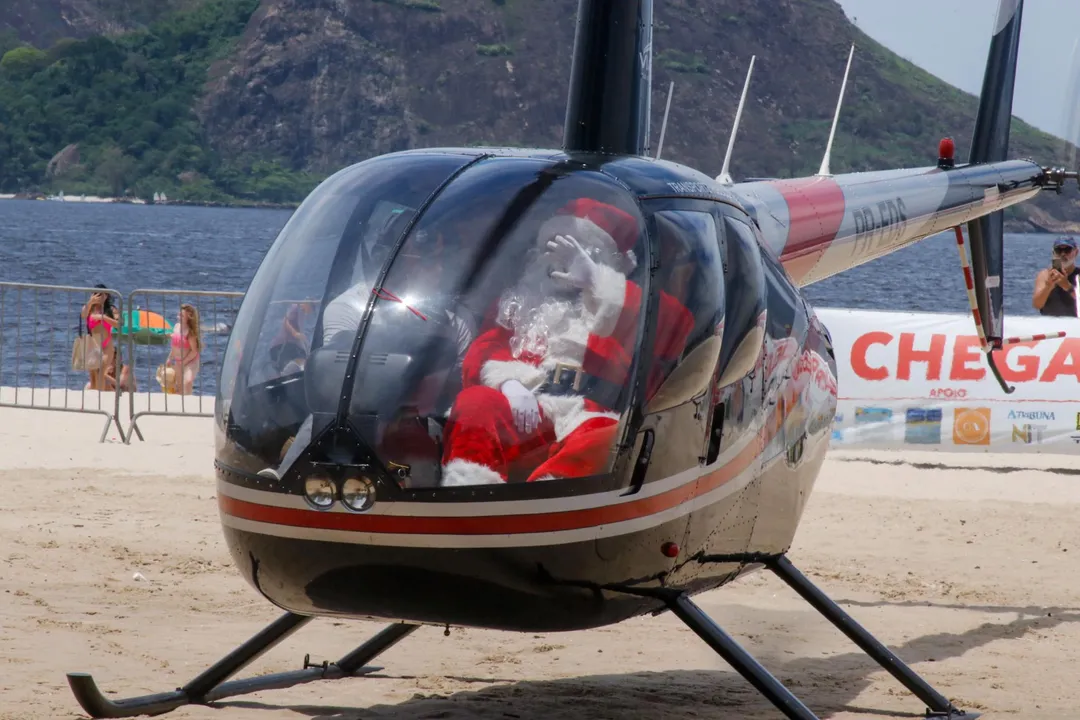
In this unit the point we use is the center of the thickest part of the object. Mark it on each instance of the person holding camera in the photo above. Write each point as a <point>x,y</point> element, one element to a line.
<point>1055,292</point>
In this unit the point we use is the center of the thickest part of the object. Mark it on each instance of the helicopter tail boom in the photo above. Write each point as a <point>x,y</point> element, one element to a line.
<point>821,226</point>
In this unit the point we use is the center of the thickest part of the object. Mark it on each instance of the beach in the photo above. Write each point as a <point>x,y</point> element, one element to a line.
<point>112,562</point>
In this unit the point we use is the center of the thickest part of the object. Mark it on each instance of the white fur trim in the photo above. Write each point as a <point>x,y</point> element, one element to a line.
<point>462,473</point>
<point>569,341</point>
<point>567,412</point>
<point>545,477</point>
<point>495,372</point>
<point>567,344</point>
<point>609,291</point>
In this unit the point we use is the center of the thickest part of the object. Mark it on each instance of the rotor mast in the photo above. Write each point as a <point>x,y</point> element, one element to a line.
<point>611,78</point>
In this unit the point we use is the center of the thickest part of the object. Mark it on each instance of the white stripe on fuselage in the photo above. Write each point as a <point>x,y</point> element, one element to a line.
<point>500,507</point>
<point>538,539</point>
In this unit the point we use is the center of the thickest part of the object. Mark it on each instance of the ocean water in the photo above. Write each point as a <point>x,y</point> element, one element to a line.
<point>128,247</point>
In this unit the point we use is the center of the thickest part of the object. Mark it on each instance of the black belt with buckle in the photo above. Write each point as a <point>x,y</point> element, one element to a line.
<point>571,380</point>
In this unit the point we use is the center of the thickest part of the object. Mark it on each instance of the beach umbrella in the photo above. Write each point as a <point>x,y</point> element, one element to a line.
<point>146,327</point>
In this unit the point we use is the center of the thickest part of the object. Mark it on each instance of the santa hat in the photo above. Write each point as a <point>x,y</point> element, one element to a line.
<point>596,225</point>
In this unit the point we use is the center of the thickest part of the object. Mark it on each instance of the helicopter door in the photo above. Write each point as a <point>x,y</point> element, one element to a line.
<point>687,340</point>
<point>737,391</point>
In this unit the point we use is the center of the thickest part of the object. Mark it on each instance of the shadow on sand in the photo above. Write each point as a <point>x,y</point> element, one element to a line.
<point>827,685</point>
<point>1000,469</point>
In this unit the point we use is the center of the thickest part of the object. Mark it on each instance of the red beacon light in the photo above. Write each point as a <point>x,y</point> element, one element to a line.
<point>946,153</point>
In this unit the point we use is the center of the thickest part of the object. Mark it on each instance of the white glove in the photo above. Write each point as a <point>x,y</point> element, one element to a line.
<point>523,406</point>
<point>580,269</point>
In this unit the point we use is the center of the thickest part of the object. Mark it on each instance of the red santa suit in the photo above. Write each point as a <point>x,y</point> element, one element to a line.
<point>576,432</point>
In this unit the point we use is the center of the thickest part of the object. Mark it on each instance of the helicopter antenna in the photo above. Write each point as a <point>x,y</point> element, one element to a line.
<point>824,170</point>
<point>663,126</point>
<point>724,178</point>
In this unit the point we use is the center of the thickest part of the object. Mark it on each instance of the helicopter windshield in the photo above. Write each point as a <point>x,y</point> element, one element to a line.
<point>335,240</point>
<point>494,342</point>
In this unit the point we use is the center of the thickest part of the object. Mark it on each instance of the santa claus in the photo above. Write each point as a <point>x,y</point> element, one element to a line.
<point>543,386</point>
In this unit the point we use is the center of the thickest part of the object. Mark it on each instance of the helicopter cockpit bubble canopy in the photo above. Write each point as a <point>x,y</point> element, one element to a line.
<point>465,320</point>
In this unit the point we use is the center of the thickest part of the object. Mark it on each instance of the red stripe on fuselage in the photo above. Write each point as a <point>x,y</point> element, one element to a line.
<point>496,524</point>
<point>815,212</point>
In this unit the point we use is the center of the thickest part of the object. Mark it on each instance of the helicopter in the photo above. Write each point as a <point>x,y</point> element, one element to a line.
<point>555,389</point>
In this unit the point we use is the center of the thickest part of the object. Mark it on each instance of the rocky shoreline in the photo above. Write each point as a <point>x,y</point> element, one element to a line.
<point>139,201</point>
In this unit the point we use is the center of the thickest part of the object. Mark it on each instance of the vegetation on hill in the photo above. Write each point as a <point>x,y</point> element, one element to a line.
<point>254,101</point>
<point>117,115</point>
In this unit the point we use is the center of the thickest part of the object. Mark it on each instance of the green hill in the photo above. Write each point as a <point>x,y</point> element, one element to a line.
<point>255,101</point>
<point>114,115</point>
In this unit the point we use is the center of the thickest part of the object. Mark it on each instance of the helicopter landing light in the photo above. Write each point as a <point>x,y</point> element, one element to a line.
<point>358,493</point>
<point>319,491</point>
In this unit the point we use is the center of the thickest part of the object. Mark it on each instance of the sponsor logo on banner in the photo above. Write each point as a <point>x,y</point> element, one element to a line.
<point>971,426</point>
<point>948,394</point>
<point>1078,421</point>
<point>837,431</point>
<point>922,426</point>
<point>868,415</point>
<point>1032,415</point>
<point>1028,433</point>
<point>1075,438</point>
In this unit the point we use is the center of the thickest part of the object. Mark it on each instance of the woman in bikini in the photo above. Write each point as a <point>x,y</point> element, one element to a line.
<point>100,317</point>
<point>186,351</point>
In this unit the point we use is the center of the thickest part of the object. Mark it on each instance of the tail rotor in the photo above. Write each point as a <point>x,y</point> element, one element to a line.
<point>990,143</point>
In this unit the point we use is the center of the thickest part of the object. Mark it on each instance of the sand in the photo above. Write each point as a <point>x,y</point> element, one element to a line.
<point>965,565</point>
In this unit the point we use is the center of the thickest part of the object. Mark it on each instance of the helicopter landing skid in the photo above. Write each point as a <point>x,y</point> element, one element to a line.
<point>210,686</point>
<point>681,605</point>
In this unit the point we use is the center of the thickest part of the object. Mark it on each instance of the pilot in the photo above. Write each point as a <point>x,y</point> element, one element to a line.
<point>289,348</point>
<point>541,387</point>
<point>422,259</point>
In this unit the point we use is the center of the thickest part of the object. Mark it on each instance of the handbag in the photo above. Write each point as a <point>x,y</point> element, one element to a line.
<point>86,352</point>
<point>92,352</point>
<point>78,354</point>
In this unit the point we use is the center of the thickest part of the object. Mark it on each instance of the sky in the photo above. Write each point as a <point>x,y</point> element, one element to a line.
<point>950,39</point>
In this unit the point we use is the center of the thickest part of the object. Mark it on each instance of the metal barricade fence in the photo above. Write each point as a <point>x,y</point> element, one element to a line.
<point>54,353</point>
<point>167,376</point>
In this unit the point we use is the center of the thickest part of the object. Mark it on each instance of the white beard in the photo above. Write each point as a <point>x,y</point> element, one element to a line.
<point>537,308</point>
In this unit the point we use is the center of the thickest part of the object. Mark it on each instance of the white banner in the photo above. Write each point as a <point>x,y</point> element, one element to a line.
<point>920,379</point>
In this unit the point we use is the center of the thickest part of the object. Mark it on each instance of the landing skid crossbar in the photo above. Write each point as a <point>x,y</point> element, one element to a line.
<point>773,690</point>
<point>210,685</point>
